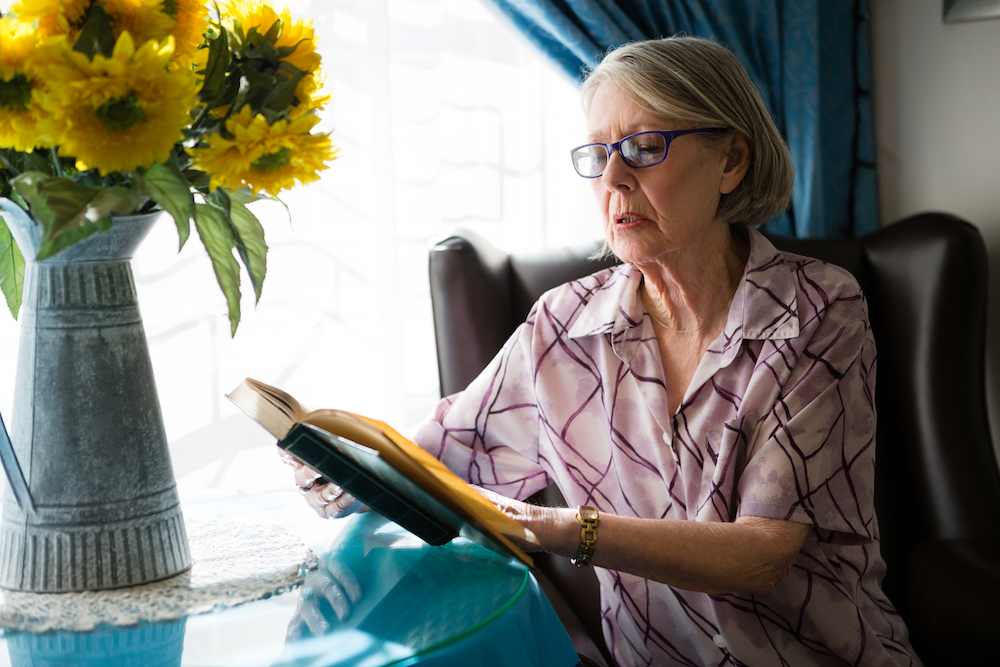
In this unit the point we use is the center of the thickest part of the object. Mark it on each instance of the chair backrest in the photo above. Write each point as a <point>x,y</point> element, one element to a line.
<point>925,280</point>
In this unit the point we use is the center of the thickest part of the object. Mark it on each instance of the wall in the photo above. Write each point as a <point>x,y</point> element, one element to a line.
<point>937,124</point>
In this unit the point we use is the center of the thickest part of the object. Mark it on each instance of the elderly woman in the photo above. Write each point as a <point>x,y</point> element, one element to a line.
<point>706,407</point>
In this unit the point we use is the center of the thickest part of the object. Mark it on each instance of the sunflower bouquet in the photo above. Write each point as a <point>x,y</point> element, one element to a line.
<point>126,107</point>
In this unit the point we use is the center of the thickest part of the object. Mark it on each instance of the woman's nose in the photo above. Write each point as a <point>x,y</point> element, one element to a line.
<point>617,174</point>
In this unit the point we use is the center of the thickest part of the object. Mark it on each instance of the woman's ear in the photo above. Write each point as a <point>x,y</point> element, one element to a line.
<point>737,163</point>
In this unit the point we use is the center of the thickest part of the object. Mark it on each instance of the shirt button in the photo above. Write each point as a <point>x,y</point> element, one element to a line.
<point>719,641</point>
<point>666,439</point>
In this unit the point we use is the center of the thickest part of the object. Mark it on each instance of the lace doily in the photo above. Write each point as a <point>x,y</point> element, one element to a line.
<point>233,563</point>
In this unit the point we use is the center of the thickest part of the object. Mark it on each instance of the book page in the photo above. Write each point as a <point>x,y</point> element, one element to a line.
<point>270,407</point>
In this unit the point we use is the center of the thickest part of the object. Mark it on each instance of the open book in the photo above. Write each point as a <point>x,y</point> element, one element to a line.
<point>382,469</point>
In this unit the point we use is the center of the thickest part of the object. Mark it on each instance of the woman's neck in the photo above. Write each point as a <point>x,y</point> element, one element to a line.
<point>685,291</point>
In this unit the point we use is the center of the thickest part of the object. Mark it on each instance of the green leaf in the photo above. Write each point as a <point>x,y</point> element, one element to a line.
<point>115,200</point>
<point>285,51</point>
<point>250,244</point>
<point>17,162</point>
<point>253,252</point>
<point>68,211</point>
<point>245,196</point>
<point>168,187</point>
<point>217,236</point>
<point>261,47</point>
<point>216,68</point>
<point>96,35</point>
<point>11,270</point>
<point>52,202</point>
<point>238,34</point>
<point>50,245</point>
<point>219,198</point>
<point>253,87</point>
<point>281,96</point>
<point>197,179</point>
<point>241,97</point>
<point>274,32</point>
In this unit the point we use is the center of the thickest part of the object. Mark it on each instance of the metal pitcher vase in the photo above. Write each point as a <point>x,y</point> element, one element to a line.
<point>91,502</point>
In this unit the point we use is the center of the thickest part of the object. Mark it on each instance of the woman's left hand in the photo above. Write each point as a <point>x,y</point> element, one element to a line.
<point>325,498</point>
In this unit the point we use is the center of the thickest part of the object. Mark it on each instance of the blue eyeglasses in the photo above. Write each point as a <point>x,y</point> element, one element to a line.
<point>640,150</point>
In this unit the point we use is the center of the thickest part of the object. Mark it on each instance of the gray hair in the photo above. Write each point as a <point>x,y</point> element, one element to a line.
<point>697,81</point>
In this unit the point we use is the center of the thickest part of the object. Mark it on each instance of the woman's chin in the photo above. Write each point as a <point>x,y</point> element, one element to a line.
<point>631,252</point>
<point>635,242</point>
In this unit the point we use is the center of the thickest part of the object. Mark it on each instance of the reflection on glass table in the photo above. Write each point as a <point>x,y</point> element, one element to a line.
<point>459,604</point>
<point>438,605</point>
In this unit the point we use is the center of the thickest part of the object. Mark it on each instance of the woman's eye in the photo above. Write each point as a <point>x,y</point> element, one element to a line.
<point>644,149</point>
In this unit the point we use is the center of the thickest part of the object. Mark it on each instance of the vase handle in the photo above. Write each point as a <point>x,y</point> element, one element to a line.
<point>13,469</point>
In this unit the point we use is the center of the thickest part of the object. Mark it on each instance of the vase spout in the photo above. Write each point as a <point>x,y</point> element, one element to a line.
<point>18,485</point>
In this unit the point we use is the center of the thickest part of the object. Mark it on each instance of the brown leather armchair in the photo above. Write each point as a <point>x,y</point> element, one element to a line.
<point>937,481</point>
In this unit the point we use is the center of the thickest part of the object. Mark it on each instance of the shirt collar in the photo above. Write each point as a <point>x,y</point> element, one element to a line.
<point>614,308</point>
<point>764,306</point>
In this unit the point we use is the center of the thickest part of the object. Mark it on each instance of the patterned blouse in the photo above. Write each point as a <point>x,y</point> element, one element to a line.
<point>778,421</point>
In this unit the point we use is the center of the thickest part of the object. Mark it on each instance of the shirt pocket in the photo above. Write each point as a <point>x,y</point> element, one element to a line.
<point>725,458</point>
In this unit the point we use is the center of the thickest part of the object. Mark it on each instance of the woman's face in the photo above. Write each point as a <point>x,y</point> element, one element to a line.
<point>651,212</point>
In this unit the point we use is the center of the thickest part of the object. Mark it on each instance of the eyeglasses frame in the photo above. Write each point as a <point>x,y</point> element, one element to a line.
<point>668,137</point>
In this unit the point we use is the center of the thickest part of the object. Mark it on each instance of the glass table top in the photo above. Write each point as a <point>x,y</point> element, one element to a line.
<point>435,605</point>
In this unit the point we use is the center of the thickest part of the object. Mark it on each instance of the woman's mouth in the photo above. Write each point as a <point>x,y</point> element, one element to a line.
<point>627,219</point>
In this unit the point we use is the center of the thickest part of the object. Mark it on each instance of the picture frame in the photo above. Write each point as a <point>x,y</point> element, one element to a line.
<point>960,11</point>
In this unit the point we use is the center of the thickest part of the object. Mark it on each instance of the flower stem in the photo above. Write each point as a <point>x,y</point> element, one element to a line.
<point>56,162</point>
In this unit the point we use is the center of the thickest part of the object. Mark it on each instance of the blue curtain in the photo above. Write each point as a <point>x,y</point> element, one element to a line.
<point>809,58</point>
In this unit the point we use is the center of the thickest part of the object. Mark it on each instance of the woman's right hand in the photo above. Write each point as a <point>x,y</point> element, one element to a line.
<point>325,498</point>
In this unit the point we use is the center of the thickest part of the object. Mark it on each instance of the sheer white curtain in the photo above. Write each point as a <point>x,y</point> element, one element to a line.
<point>445,117</point>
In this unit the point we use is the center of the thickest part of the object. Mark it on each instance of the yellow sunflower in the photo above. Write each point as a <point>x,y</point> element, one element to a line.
<point>262,157</point>
<point>261,15</point>
<point>55,17</point>
<point>190,18</point>
<point>22,64</point>
<point>123,112</point>
<point>143,19</point>
<point>310,95</point>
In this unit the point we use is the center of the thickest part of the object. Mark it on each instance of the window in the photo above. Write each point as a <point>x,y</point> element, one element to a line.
<point>445,117</point>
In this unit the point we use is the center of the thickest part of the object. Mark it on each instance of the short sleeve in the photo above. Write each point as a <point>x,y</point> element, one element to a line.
<point>812,458</point>
<point>488,433</point>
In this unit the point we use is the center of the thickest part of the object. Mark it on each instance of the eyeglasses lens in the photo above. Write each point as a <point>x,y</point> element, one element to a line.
<point>590,161</point>
<point>639,150</point>
<point>644,150</point>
